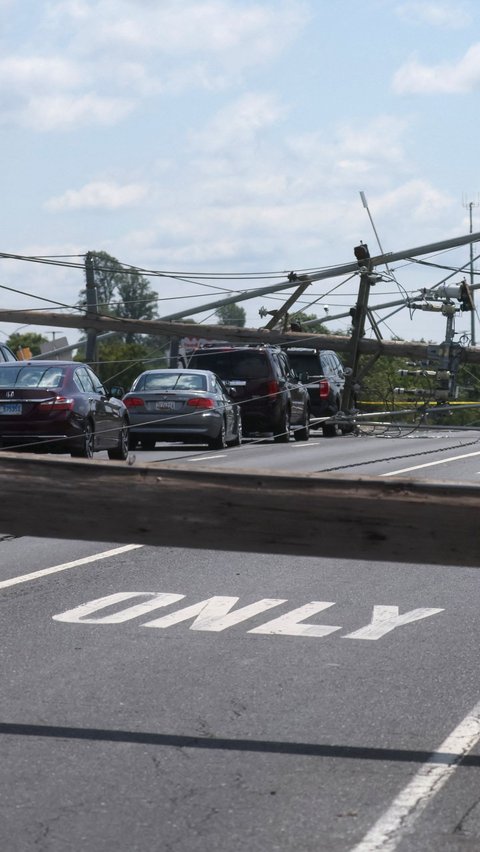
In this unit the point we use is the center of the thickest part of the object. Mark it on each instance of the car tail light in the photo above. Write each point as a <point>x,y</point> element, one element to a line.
<point>201,402</point>
<point>324,388</point>
<point>57,403</point>
<point>272,388</point>
<point>134,402</point>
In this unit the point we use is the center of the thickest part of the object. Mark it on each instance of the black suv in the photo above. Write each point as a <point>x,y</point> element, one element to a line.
<point>271,397</point>
<point>322,372</point>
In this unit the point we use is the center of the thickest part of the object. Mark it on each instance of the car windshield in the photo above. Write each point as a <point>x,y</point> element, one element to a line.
<point>172,381</point>
<point>235,365</point>
<point>31,377</point>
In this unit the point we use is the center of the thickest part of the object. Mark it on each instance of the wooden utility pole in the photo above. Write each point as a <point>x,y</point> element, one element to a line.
<point>92,309</point>
<point>359,315</point>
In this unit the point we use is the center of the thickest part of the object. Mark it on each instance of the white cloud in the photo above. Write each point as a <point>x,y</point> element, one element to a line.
<point>444,78</point>
<point>64,112</point>
<point>87,58</point>
<point>437,14</point>
<point>240,122</point>
<point>189,27</point>
<point>38,72</point>
<point>299,199</point>
<point>104,195</point>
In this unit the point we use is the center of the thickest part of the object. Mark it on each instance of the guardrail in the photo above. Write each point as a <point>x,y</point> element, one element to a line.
<point>315,515</point>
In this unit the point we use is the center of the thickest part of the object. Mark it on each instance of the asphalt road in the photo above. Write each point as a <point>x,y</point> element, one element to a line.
<point>167,699</point>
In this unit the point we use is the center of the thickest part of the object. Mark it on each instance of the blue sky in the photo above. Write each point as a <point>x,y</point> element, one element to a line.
<point>234,136</point>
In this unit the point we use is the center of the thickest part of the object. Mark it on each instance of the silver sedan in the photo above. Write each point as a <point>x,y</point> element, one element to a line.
<point>192,406</point>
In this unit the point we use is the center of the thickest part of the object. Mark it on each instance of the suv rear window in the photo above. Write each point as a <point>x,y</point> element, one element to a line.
<point>305,362</point>
<point>248,364</point>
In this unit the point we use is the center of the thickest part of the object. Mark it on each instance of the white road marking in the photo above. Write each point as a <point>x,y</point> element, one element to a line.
<point>80,613</point>
<point>207,458</point>
<point>214,613</point>
<point>302,445</point>
<point>397,821</point>
<point>387,618</point>
<point>290,624</point>
<point>35,575</point>
<point>429,464</point>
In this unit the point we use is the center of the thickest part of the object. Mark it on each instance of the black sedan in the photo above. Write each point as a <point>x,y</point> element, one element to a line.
<point>191,406</point>
<point>60,406</point>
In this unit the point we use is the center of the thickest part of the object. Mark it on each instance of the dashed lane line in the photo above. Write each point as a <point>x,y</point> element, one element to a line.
<point>65,566</point>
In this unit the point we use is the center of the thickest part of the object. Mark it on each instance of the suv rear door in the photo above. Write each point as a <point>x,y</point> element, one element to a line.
<point>296,391</point>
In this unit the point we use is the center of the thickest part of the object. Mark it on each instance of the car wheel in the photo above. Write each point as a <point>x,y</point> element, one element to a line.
<point>219,443</point>
<point>282,431</point>
<point>88,444</point>
<point>120,452</point>
<point>303,432</point>
<point>148,443</point>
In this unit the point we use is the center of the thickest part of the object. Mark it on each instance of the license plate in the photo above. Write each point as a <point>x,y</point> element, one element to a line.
<point>10,408</point>
<point>165,405</point>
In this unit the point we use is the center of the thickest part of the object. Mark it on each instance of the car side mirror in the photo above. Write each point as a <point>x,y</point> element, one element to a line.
<point>117,391</point>
<point>347,371</point>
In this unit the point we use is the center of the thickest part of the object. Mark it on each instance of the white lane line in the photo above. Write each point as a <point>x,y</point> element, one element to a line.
<point>35,575</point>
<point>207,458</point>
<point>398,820</point>
<point>299,445</point>
<point>430,464</point>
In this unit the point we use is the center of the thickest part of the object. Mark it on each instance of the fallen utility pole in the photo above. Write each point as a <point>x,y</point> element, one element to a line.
<point>167,326</point>
<point>234,334</point>
<point>330,272</point>
<point>359,518</point>
<point>104,323</point>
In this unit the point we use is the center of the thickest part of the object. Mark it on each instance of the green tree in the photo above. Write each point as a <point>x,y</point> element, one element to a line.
<point>119,363</point>
<point>231,315</point>
<point>30,340</point>
<point>121,292</point>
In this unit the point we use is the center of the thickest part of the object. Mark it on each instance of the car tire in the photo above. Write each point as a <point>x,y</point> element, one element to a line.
<point>302,433</point>
<point>282,430</point>
<point>88,444</point>
<point>219,443</point>
<point>120,452</point>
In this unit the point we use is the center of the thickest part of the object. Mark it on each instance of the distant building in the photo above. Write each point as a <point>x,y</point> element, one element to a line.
<point>48,349</point>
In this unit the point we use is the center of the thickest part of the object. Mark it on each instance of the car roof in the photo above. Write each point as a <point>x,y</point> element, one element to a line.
<point>247,347</point>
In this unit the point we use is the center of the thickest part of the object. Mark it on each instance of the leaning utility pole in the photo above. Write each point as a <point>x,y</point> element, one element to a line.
<point>470,206</point>
<point>359,315</point>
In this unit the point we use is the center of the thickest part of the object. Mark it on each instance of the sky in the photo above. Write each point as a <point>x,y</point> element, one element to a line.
<point>233,138</point>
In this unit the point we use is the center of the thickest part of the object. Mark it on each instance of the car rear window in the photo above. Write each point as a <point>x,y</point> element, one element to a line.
<point>172,381</point>
<point>31,377</point>
<point>303,362</point>
<point>234,365</point>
